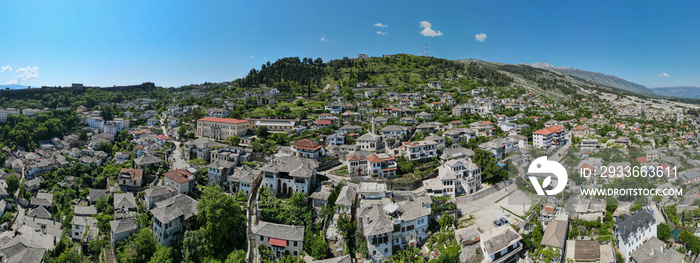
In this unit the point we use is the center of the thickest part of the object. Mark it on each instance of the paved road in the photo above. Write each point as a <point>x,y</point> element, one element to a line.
<point>177,158</point>
<point>179,162</point>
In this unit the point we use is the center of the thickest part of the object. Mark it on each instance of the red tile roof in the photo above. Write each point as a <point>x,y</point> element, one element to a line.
<point>162,137</point>
<point>223,120</point>
<point>547,131</point>
<point>306,144</point>
<point>179,175</point>
<point>133,173</point>
<point>277,242</point>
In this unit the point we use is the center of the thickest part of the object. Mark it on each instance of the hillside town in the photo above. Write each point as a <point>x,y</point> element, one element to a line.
<point>433,172</point>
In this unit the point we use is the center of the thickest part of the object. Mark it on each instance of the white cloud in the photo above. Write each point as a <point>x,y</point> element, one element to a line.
<point>14,81</point>
<point>664,75</point>
<point>323,38</point>
<point>481,37</point>
<point>6,68</point>
<point>251,56</point>
<point>28,73</point>
<point>428,31</point>
<point>381,25</point>
<point>381,33</point>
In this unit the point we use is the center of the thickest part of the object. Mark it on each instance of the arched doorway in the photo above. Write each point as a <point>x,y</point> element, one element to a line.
<point>284,188</point>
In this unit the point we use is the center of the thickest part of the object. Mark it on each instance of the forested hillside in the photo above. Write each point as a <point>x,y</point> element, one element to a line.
<point>297,75</point>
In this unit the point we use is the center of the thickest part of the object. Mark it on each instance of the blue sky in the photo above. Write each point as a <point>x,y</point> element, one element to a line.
<point>174,43</point>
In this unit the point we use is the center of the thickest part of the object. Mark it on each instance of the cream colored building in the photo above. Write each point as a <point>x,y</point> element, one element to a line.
<point>221,128</point>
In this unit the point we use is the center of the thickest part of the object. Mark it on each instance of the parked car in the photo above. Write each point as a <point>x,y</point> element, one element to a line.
<point>504,220</point>
<point>497,223</point>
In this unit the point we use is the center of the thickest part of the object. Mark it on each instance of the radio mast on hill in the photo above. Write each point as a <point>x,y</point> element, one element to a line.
<point>426,50</point>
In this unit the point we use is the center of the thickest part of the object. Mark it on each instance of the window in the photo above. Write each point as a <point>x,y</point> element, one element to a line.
<point>295,244</point>
<point>262,238</point>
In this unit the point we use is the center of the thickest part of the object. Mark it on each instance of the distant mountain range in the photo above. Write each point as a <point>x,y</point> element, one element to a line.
<point>601,78</point>
<point>13,86</point>
<point>680,92</point>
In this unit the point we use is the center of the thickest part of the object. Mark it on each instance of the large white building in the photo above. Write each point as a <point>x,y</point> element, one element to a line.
<point>170,217</point>
<point>455,177</point>
<point>548,137</point>
<point>115,126</point>
<point>221,128</point>
<point>420,150</point>
<point>95,122</point>
<point>633,231</point>
<point>181,180</point>
<point>394,226</point>
<point>370,142</point>
<point>335,108</point>
<point>290,174</point>
<point>363,162</point>
<point>217,113</point>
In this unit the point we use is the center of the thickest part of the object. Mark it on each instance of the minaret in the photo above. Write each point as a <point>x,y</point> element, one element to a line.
<point>373,122</point>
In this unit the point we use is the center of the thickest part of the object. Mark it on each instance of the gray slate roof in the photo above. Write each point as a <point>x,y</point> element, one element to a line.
<point>369,137</point>
<point>346,196</point>
<point>39,212</point>
<point>147,159</point>
<point>95,194</point>
<point>412,210</point>
<point>19,249</point>
<point>294,165</point>
<point>284,232</point>
<point>159,191</point>
<point>175,207</point>
<point>340,259</point>
<point>84,210</point>
<point>496,239</point>
<point>640,219</point>
<point>124,201</point>
<point>124,225</point>
<point>244,174</point>
<point>42,199</point>
<point>374,221</point>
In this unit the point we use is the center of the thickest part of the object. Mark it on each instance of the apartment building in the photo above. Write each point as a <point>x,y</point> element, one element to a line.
<point>548,137</point>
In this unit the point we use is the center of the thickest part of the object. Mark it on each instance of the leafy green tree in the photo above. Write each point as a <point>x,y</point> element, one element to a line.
<point>262,132</point>
<point>316,246</point>
<point>12,183</point>
<point>237,256</point>
<point>663,231</point>
<point>101,204</point>
<point>138,248</point>
<point>223,223</point>
<point>407,255</point>
<point>233,140</point>
<point>182,132</point>
<point>192,246</point>
<point>82,135</point>
<point>446,221</point>
<point>163,254</point>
